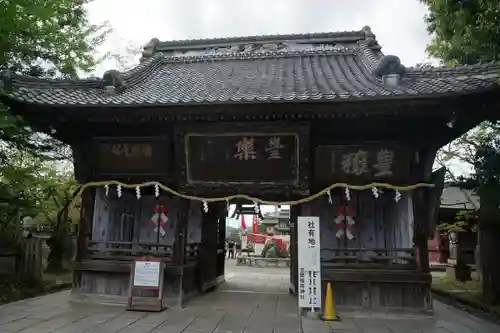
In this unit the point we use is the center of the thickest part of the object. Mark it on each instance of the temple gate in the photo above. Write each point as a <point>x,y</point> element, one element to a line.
<point>323,122</point>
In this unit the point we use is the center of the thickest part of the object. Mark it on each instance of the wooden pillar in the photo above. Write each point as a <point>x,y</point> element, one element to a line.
<point>207,269</point>
<point>84,167</point>
<point>420,230</point>
<point>85,225</point>
<point>221,241</point>
<point>421,222</point>
<point>180,235</point>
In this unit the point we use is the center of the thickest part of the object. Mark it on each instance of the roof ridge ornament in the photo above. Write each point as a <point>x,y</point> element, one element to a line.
<point>390,70</point>
<point>369,35</point>
<point>149,49</point>
<point>115,79</point>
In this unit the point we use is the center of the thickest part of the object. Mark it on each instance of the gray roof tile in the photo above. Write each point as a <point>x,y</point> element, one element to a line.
<point>456,198</point>
<point>340,74</point>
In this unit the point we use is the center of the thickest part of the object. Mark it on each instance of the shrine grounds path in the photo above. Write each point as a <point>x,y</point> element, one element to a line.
<point>253,300</point>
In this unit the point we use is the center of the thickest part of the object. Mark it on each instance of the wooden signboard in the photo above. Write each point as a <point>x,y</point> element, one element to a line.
<point>146,274</point>
<point>132,156</point>
<point>252,155</point>
<point>309,263</point>
<point>363,163</point>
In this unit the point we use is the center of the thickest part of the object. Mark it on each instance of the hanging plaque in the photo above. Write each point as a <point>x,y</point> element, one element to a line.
<point>242,158</point>
<point>363,163</point>
<point>132,155</point>
<point>251,156</point>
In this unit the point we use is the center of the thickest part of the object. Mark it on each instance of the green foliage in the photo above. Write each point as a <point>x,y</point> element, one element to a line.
<point>15,290</point>
<point>487,159</point>
<point>41,38</point>
<point>464,148</point>
<point>464,221</point>
<point>48,37</point>
<point>464,31</point>
<point>35,187</point>
<point>470,149</point>
<point>11,291</point>
<point>484,156</point>
<point>486,178</point>
<point>467,32</point>
<point>269,250</point>
<point>272,250</point>
<point>250,247</point>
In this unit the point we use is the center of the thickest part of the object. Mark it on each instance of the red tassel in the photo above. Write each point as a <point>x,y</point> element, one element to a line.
<point>164,209</point>
<point>156,209</point>
<point>340,210</point>
<point>351,212</point>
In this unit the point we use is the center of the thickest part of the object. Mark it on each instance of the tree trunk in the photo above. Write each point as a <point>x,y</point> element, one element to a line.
<point>55,258</point>
<point>490,269</point>
<point>477,260</point>
<point>57,243</point>
<point>489,243</point>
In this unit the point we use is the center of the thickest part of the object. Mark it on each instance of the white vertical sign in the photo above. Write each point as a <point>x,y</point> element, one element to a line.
<point>309,263</point>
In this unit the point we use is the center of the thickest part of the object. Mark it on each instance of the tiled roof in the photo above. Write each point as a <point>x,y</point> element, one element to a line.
<point>337,36</point>
<point>456,198</point>
<point>356,71</point>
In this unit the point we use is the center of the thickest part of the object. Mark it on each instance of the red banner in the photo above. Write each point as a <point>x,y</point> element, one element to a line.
<point>243,224</point>
<point>262,239</point>
<point>256,238</point>
<point>255,224</point>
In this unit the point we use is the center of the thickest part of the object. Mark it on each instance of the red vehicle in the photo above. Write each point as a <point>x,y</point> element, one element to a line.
<point>262,239</point>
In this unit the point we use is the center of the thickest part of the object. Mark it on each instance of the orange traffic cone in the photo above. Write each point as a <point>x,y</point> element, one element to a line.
<point>329,313</point>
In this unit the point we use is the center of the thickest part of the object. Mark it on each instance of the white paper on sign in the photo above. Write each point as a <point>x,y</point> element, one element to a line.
<point>309,262</point>
<point>147,274</point>
<point>308,243</point>
<point>313,260</point>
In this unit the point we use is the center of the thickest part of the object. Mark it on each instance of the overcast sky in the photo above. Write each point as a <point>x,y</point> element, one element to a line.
<point>398,24</point>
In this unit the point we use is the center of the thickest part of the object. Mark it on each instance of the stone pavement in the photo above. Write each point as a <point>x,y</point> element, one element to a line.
<point>252,300</point>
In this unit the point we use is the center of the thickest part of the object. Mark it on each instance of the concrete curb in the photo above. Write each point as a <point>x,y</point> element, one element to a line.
<point>54,288</point>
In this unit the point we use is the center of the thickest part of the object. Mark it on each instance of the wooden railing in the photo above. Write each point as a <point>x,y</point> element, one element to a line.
<point>126,251</point>
<point>366,258</point>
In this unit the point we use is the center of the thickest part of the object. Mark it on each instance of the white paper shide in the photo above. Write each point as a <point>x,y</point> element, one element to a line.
<point>147,274</point>
<point>309,265</point>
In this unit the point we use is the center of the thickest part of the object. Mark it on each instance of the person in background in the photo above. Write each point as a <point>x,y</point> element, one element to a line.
<point>230,246</point>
